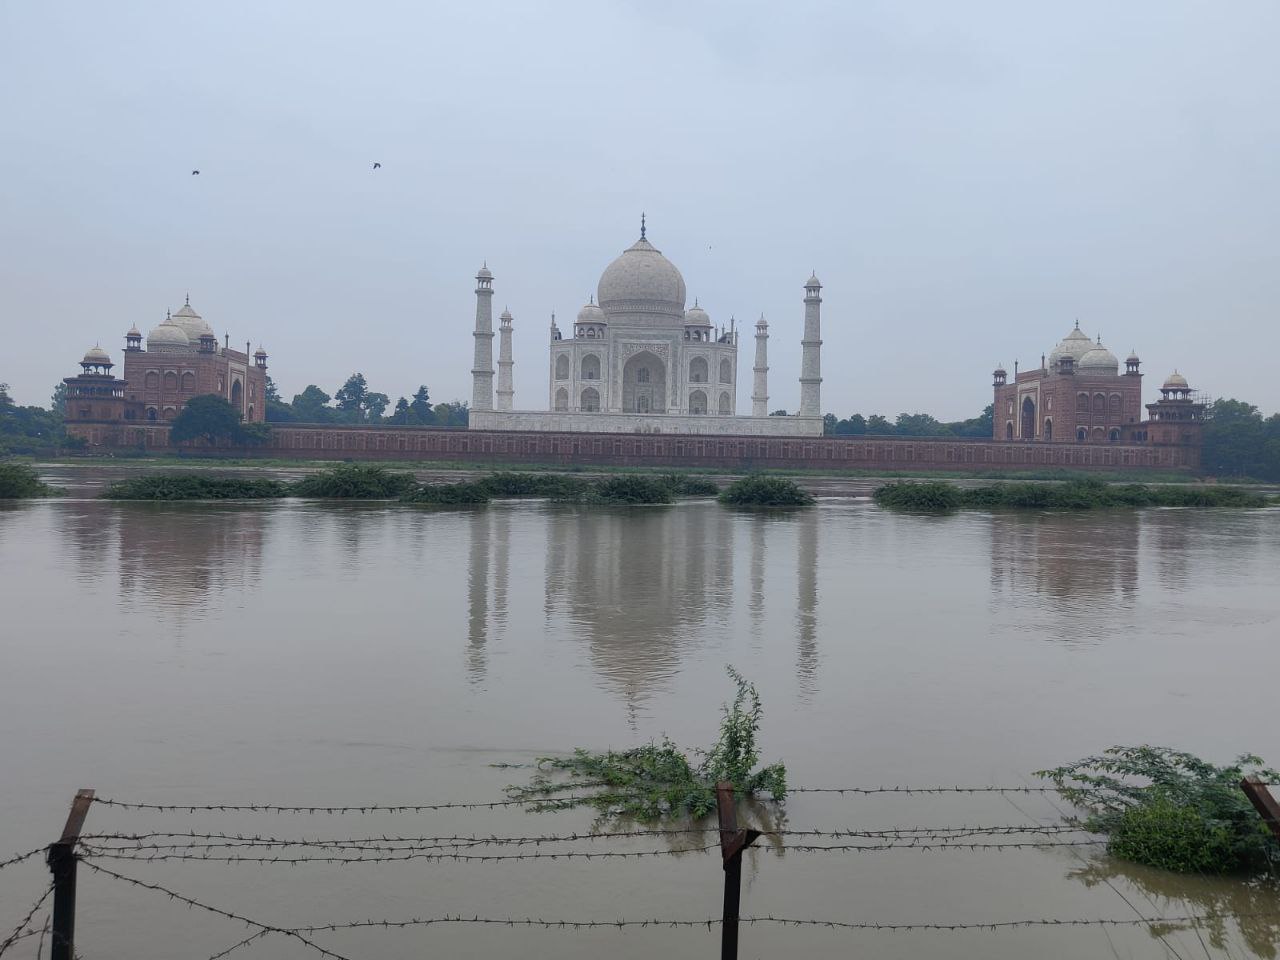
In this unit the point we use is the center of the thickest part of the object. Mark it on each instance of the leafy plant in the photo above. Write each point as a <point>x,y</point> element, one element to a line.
<point>447,494</point>
<point>1088,494</point>
<point>19,482</point>
<point>356,482</point>
<point>683,485</point>
<point>556,486</point>
<point>660,779</point>
<point>629,489</point>
<point>1172,810</point>
<point>758,490</point>
<point>192,486</point>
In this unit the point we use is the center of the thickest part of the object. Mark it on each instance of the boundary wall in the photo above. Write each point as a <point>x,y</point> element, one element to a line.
<point>331,442</point>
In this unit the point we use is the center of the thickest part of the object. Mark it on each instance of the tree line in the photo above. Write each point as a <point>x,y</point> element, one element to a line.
<point>908,425</point>
<point>354,402</point>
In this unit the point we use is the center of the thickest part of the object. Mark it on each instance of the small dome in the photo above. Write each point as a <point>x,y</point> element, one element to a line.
<point>168,338</point>
<point>134,331</point>
<point>1133,357</point>
<point>1176,381</point>
<point>591,313</point>
<point>762,323</point>
<point>643,281</point>
<point>1099,360</point>
<point>190,323</point>
<point>1075,345</point>
<point>506,315</point>
<point>813,281</point>
<point>260,352</point>
<point>96,355</point>
<point>696,315</point>
<point>1000,371</point>
<point>484,273</point>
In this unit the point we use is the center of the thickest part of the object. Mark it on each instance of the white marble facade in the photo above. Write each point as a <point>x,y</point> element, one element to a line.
<point>636,361</point>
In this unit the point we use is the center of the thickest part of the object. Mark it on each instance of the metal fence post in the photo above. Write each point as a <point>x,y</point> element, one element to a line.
<point>732,842</point>
<point>62,863</point>
<point>1263,802</point>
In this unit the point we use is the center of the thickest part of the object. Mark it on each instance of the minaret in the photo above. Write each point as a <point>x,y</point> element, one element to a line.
<point>505,388</point>
<point>760,388</point>
<point>811,350</point>
<point>482,366</point>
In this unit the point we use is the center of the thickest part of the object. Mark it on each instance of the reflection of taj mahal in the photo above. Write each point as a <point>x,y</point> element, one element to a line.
<point>639,362</point>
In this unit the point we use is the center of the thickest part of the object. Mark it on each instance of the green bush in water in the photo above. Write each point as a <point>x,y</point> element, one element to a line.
<point>683,485</point>
<point>659,779</point>
<point>448,494</point>
<point>1172,810</point>
<point>761,491</point>
<point>356,482</point>
<point>932,496</point>
<point>556,486</point>
<point>193,486</point>
<point>19,481</point>
<point>1090,494</point>
<point>629,489</point>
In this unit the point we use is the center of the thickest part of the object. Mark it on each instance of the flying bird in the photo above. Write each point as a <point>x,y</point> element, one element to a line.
<point>195,173</point>
<point>377,166</point>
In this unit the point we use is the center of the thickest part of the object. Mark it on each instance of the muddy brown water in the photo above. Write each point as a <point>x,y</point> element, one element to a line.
<point>304,653</point>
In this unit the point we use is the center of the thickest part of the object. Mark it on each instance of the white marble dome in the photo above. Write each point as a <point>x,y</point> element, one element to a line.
<point>96,355</point>
<point>591,313</point>
<point>168,338</point>
<point>1074,345</point>
<point>642,281</point>
<point>1176,381</point>
<point>1099,360</point>
<point>191,323</point>
<point>696,315</point>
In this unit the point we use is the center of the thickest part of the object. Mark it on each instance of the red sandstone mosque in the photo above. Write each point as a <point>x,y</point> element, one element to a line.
<point>182,360</point>
<point>1079,395</point>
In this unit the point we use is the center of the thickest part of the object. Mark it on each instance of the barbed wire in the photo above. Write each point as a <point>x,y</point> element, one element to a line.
<point>105,853</point>
<point>922,790</point>
<point>22,856</point>
<point>317,809</point>
<point>20,932</point>
<point>263,928</point>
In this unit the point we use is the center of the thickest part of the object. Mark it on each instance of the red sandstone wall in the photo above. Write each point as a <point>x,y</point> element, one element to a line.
<point>735,453</point>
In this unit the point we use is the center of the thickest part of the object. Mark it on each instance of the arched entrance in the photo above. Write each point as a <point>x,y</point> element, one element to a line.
<point>1028,419</point>
<point>697,402</point>
<point>590,400</point>
<point>644,384</point>
<point>562,399</point>
<point>237,394</point>
<point>1008,430</point>
<point>1048,428</point>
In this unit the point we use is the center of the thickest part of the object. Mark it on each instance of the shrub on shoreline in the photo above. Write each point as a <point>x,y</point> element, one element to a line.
<point>356,482</point>
<point>191,486</point>
<point>683,485</point>
<point>938,496</point>
<point>447,494</point>
<point>758,490</point>
<point>555,486</point>
<point>629,489</point>
<point>20,482</point>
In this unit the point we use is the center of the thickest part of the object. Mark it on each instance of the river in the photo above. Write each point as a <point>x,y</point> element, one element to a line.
<point>314,654</point>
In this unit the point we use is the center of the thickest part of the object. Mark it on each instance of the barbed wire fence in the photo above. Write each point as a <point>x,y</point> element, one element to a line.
<point>95,850</point>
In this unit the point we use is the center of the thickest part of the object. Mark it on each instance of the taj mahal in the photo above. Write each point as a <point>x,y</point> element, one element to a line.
<point>638,361</point>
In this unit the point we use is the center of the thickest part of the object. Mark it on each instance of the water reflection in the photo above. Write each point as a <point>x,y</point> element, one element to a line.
<point>807,601</point>
<point>1248,908</point>
<point>1077,571</point>
<point>640,586</point>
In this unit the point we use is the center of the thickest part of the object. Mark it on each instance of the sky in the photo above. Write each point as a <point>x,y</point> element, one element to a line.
<point>967,179</point>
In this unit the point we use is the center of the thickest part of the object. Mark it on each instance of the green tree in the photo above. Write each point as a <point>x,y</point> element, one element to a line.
<point>351,396</point>
<point>5,399</point>
<point>1235,438</point>
<point>920,425</point>
<point>312,406</point>
<point>780,413</point>
<point>420,408</point>
<point>979,426</point>
<point>58,402</point>
<point>374,404</point>
<point>400,417</point>
<point>879,425</point>
<point>207,417</point>
<point>454,414</point>
<point>829,423</point>
<point>272,392</point>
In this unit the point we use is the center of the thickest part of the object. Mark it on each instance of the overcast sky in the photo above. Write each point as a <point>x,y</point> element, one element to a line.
<point>967,179</point>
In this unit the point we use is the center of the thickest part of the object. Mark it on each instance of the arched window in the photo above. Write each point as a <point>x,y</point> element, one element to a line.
<point>1115,405</point>
<point>1099,435</point>
<point>1099,403</point>
<point>169,413</point>
<point>237,394</point>
<point>725,408</point>
<point>562,367</point>
<point>562,399</point>
<point>697,402</point>
<point>1082,402</point>
<point>1048,403</point>
<point>1114,436</point>
<point>726,371</point>
<point>171,382</point>
<point>151,414</point>
<point>1028,419</point>
<point>591,367</point>
<point>1081,434</point>
<point>1008,429</point>
<point>591,333</point>
<point>591,400</point>
<point>153,380</point>
<point>642,404</point>
<point>642,375</point>
<point>698,370</point>
<point>188,382</point>
<point>1048,428</point>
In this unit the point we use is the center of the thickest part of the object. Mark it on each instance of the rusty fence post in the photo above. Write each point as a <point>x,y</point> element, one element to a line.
<point>62,863</point>
<point>1263,802</point>
<point>732,842</point>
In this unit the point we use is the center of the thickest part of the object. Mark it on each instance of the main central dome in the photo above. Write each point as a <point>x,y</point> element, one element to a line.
<point>642,284</point>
